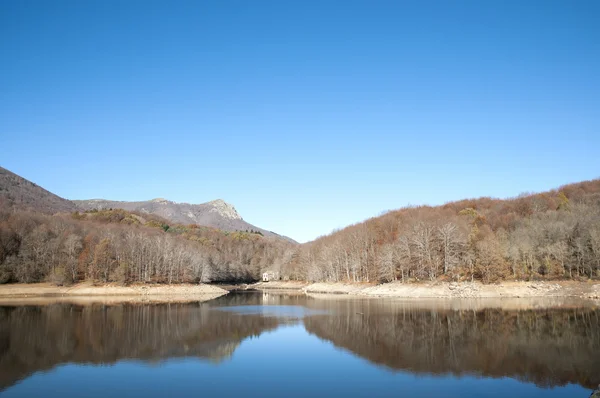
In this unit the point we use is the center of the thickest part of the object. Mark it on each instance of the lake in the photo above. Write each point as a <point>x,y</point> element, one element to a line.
<point>291,345</point>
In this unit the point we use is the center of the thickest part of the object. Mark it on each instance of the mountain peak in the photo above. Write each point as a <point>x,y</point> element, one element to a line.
<point>161,200</point>
<point>224,209</point>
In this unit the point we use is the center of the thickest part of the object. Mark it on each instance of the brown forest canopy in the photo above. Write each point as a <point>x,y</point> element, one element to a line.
<point>550,235</point>
<point>555,234</point>
<point>120,246</point>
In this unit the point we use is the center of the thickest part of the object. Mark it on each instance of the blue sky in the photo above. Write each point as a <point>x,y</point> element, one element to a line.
<point>306,115</point>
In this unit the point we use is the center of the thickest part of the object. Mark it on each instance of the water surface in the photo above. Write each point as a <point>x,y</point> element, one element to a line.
<point>291,345</point>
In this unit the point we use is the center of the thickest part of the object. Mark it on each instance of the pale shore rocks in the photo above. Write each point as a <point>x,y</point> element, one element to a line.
<point>434,289</point>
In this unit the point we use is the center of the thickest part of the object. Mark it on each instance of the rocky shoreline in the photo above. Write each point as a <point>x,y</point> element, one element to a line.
<point>186,292</point>
<point>518,289</point>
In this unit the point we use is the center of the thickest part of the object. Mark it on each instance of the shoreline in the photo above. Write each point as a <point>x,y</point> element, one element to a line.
<point>86,292</point>
<point>518,289</point>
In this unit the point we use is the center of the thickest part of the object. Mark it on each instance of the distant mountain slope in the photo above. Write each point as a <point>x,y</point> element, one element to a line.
<point>17,192</point>
<point>24,194</point>
<point>217,213</point>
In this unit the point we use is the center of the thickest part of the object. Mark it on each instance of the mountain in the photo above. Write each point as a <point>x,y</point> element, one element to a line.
<point>23,194</point>
<point>217,213</point>
<point>19,193</point>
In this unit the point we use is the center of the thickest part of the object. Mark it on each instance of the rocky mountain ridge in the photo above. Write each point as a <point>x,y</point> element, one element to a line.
<point>216,213</point>
<point>20,193</point>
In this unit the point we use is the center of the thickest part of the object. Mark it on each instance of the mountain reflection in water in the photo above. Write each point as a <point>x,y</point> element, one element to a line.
<point>548,347</point>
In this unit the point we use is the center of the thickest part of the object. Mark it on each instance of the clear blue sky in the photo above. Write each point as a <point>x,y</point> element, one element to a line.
<point>306,115</point>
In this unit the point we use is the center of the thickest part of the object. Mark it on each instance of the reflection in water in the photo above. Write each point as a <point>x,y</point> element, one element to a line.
<point>39,338</point>
<point>548,347</point>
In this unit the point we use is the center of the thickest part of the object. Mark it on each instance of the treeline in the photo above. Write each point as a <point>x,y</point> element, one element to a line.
<point>124,247</point>
<point>550,235</point>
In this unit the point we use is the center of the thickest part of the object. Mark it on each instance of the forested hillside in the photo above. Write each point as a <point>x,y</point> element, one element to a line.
<point>44,237</point>
<point>550,235</point>
<point>120,246</point>
<point>19,193</point>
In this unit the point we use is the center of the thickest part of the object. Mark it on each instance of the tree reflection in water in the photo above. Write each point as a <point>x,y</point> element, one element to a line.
<point>548,347</point>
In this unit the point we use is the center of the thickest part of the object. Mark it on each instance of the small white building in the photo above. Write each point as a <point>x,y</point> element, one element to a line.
<point>270,276</point>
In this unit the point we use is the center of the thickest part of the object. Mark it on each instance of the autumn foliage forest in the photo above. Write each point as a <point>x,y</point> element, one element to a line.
<point>552,235</point>
<point>124,247</point>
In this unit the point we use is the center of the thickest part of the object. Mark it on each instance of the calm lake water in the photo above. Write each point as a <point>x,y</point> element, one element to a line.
<point>290,345</point>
